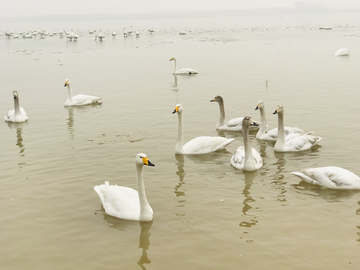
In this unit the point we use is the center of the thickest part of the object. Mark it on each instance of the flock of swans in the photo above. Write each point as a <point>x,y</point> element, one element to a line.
<point>127,203</point>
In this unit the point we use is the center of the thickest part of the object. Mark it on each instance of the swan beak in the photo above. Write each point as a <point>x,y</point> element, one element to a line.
<point>276,111</point>
<point>65,84</point>
<point>176,110</point>
<point>254,124</point>
<point>146,161</point>
<point>171,59</point>
<point>213,100</point>
<point>257,107</point>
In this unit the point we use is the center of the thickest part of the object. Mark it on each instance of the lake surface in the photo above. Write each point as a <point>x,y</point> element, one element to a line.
<point>207,214</point>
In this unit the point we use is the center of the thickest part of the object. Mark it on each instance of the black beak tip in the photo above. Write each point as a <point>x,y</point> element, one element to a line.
<point>151,164</point>
<point>257,107</point>
<point>275,112</point>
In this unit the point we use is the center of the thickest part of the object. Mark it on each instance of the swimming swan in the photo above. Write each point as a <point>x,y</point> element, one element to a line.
<point>234,124</point>
<point>183,71</point>
<point>199,145</point>
<point>272,134</point>
<point>245,157</point>
<point>342,52</point>
<point>79,100</point>
<point>330,177</point>
<point>18,114</point>
<point>125,202</point>
<point>292,142</point>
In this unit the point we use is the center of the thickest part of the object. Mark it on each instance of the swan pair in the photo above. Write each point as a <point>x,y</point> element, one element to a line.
<point>79,100</point>
<point>17,115</point>
<point>124,202</point>
<point>183,71</point>
<point>234,124</point>
<point>199,145</point>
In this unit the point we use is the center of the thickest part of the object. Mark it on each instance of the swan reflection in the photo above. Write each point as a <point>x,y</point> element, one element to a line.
<point>181,174</point>
<point>19,135</point>
<point>250,220</point>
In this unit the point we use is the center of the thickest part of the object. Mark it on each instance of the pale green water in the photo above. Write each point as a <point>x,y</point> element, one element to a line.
<point>208,215</point>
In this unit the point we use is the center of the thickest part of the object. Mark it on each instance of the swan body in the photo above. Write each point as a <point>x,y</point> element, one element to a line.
<point>183,71</point>
<point>245,157</point>
<point>18,114</point>
<point>71,35</point>
<point>79,100</point>
<point>330,177</point>
<point>292,142</point>
<point>199,145</point>
<point>272,134</point>
<point>342,52</point>
<point>234,124</point>
<point>125,202</point>
<point>100,36</point>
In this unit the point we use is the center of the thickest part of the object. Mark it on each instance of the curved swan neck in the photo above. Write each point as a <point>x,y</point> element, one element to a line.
<point>144,205</point>
<point>222,114</point>
<point>179,144</point>
<point>262,128</point>
<point>175,65</point>
<point>17,106</point>
<point>281,130</point>
<point>70,94</point>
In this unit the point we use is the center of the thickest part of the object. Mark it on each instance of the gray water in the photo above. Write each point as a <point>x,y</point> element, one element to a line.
<point>207,215</point>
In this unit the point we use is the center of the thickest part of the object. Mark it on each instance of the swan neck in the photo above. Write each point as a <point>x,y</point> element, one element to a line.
<point>141,190</point>
<point>179,144</point>
<point>262,128</point>
<point>17,106</point>
<point>281,131</point>
<point>247,147</point>
<point>70,94</point>
<point>222,114</point>
<point>175,65</point>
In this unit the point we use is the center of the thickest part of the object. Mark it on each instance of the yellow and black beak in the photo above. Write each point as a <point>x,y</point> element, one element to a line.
<point>147,162</point>
<point>276,111</point>
<point>213,100</point>
<point>176,109</point>
<point>257,107</point>
<point>66,83</point>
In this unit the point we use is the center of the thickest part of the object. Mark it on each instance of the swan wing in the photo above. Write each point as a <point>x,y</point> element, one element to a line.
<point>118,201</point>
<point>300,142</point>
<point>330,177</point>
<point>80,100</point>
<point>206,144</point>
<point>187,71</point>
<point>238,158</point>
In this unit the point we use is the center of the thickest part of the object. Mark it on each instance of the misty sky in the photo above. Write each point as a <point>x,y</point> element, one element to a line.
<point>48,7</point>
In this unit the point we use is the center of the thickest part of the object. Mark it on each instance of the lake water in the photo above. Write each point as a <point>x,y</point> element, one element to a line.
<point>207,214</point>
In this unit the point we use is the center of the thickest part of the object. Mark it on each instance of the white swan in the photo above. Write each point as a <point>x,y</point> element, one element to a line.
<point>18,114</point>
<point>245,157</point>
<point>342,52</point>
<point>183,71</point>
<point>79,100</point>
<point>125,202</point>
<point>292,142</point>
<point>330,177</point>
<point>199,145</point>
<point>234,124</point>
<point>272,134</point>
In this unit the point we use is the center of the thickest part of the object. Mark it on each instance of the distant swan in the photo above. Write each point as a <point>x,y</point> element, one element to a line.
<point>181,71</point>
<point>79,100</point>
<point>234,124</point>
<point>342,52</point>
<point>293,142</point>
<point>199,145</point>
<point>245,157</point>
<point>272,134</point>
<point>125,202</point>
<point>18,114</point>
<point>330,177</point>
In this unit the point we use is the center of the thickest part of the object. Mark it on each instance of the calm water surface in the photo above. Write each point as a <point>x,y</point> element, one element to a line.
<point>208,215</point>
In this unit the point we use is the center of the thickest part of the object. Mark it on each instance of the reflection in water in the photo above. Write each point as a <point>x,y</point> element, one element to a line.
<point>144,238</point>
<point>249,177</point>
<point>279,177</point>
<point>19,138</point>
<point>70,122</point>
<point>181,173</point>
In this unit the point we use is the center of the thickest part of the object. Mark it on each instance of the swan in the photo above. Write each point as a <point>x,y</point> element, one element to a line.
<point>183,71</point>
<point>199,145</point>
<point>245,157</point>
<point>234,124</point>
<point>330,177</point>
<point>272,134</point>
<point>79,100</point>
<point>293,142</point>
<point>18,114</point>
<point>125,202</point>
<point>342,52</point>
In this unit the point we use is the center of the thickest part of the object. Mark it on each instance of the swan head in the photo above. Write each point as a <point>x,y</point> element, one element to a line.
<point>259,104</point>
<point>141,159</point>
<point>16,95</point>
<point>217,99</point>
<point>172,58</point>
<point>247,122</point>
<point>279,109</point>
<point>67,82</point>
<point>178,109</point>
